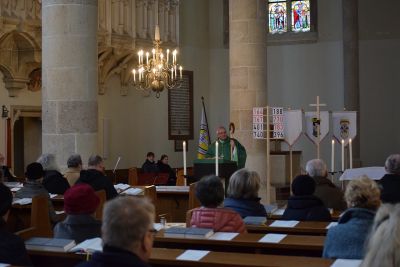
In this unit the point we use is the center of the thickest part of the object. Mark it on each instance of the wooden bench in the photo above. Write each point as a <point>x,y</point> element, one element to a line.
<point>167,257</point>
<point>335,216</point>
<point>302,228</point>
<point>30,220</point>
<point>294,245</point>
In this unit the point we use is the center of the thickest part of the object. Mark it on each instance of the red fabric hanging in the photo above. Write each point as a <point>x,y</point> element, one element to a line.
<point>8,143</point>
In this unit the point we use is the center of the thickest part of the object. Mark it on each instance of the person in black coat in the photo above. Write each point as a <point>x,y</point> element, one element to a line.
<point>243,194</point>
<point>128,234</point>
<point>12,247</point>
<point>7,173</point>
<point>80,203</point>
<point>150,166</point>
<point>165,168</point>
<point>304,206</point>
<point>94,177</point>
<point>390,182</point>
<point>53,181</point>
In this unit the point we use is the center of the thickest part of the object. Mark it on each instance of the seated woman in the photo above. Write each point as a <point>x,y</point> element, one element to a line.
<point>33,187</point>
<point>210,192</point>
<point>243,194</point>
<point>347,239</point>
<point>12,247</point>
<point>384,246</point>
<point>304,206</point>
<point>80,203</point>
<point>165,168</point>
<point>53,180</point>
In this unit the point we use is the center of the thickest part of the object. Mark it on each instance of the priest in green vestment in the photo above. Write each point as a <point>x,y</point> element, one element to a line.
<point>224,148</point>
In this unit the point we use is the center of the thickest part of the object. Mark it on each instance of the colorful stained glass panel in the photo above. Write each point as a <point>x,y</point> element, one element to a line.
<point>277,17</point>
<point>300,16</point>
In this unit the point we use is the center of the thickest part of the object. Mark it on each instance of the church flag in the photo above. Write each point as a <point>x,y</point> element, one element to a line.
<point>292,126</point>
<point>204,138</point>
<point>344,126</point>
<point>311,125</point>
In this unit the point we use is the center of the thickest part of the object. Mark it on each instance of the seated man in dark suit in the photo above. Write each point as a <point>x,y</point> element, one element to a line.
<point>12,247</point>
<point>390,182</point>
<point>150,166</point>
<point>7,173</point>
<point>95,178</point>
<point>128,234</point>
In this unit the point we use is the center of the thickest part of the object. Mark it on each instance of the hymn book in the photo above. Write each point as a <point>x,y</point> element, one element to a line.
<point>52,244</point>
<point>201,233</point>
<point>254,220</point>
<point>89,245</point>
<point>270,209</point>
<point>176,232</point>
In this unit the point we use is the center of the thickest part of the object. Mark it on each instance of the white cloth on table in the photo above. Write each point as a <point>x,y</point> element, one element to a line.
<point>375,173</point>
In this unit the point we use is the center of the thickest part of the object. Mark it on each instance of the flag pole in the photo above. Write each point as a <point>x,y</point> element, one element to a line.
<point>205,115</point>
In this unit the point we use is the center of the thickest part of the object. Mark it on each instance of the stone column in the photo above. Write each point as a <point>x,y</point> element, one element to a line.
<point>351,69</point>
<point>248,78</point>
<point>69,69</point>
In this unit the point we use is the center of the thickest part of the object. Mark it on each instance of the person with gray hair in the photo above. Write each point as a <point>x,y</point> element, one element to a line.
<point>330,194</point>
<point>128,233</point>
<point>74,168</point>
<point>243,194</point>
<point>390,182</point>
<point>95,178</point>
<point>53,181</point>
<point>3,167</point>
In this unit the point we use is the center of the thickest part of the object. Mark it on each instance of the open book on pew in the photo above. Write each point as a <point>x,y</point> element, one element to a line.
<point>53,244</point>
<point>121,186</point>
<point>132,191</point>
<point>22,201</point>
<point>12,184</point>
<point>89,245</point>
<point>254,220</point>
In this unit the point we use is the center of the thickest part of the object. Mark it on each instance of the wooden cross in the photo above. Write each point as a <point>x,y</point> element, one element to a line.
<point>318,114</point>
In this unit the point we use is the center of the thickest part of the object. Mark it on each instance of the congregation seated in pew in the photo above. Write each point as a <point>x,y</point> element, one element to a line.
<point>75,166</point>
<point>243,194</point>
<point>4,168</point>
<point>347,239</point>
<point>304,206</point>
<point>383,242</point>
<point>12,247</point>
<point>165,168</point>
<point>390,182</point>
<point>33,187</point>
<point>80,203</point>
<point>94,177</point>
<point>330,194</point>
<point>149,166</point>
<point>128,233</point>
<point>210,192</point>
<point>53,181</point>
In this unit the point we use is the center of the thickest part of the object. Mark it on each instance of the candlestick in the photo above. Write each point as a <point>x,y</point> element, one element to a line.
<point>351,154</point>
<point>184,158</point>
<point>154,55</point>
<point>333,156</point>
<point>167,56</point>
<point>216,158</point>
<point>342,155</point>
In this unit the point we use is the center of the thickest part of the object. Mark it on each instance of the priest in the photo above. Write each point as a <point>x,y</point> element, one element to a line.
<point>224,148</point>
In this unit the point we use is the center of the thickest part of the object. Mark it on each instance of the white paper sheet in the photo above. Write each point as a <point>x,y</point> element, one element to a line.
<point>332,224</point>
<point>4,264</point>
<point>15,189</point>
<point>23,201</point>
<point>346,263</point>
<point>60,212</point>
<point>284,223</point>
<point>279,212</point>
<point>192,255</point>
<point>223,236</point>
<point>272,238</point>
<point>158,226</point>
<point>169,225</point>
<point>52,195</point>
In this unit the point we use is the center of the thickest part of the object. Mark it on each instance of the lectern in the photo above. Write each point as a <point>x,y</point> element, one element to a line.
<point>204,167</point>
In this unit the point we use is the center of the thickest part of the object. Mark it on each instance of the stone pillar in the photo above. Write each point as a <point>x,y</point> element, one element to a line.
<point>248,78</point>
<point>351,69</point>
<point>69,69</point>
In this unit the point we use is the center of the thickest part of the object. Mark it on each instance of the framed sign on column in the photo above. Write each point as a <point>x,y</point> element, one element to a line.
<point>180,109</point>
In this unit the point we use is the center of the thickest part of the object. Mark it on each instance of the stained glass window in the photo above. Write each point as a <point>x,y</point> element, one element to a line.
<point>300,16</point>
<point>277,16</point>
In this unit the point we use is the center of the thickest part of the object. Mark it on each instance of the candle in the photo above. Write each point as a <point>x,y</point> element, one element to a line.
<point>351,154</point>
<point>333,156</point>
<point>162,56</point>
<point>184,158</point>
<point>147,57</point>
<point>180,69</point>
<point>342,155</point>
<point>216,158</point>
<point>167,55</point>
<point>154,55</point>
<point>134,73</point>
<point>139,57</point>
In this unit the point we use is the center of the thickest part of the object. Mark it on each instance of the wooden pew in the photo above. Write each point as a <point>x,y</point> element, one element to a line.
<point>335,216</point>
<point>30,220</point>
<point>103,199</point>
<point>167,257</point>
<point>294,245</point>
<point>193,202</point>
<point>302,228</point>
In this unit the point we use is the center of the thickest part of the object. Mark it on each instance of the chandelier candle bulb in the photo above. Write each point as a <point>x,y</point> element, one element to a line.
<point>180,69</point>
<point>147,57</point>
<point>184,158</point>
<point>172,74</point>
<point>342,155</point>
<point>154,55</point>
<point>134,73</point>
<point>175,74</point>
<point>216,158</point>
<point>351,154</point>
<point>167,55</point>
<point>333,156</point>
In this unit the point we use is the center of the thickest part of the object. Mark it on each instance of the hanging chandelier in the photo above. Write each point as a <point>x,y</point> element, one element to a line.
<point>158,72</point>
